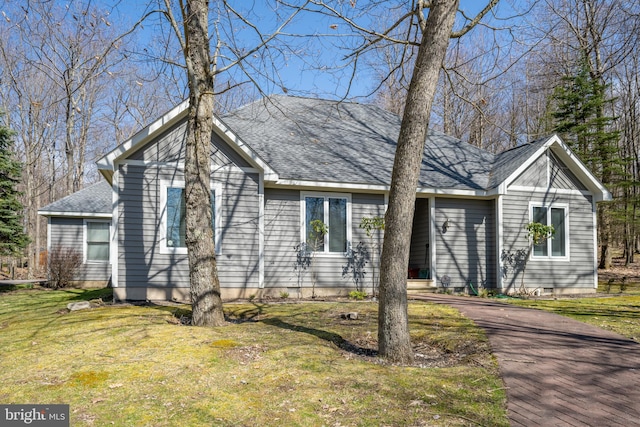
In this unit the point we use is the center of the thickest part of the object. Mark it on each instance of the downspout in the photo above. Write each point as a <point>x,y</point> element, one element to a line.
<point>499,242</point>
<point>261,208</point>
<point>113,247</point>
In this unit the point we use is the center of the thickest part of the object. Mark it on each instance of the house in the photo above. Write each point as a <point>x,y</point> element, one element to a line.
<point>281,162</point>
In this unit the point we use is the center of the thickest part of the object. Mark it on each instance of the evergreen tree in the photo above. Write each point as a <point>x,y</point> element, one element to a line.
<point>12,236</point>
<point>581,120</point>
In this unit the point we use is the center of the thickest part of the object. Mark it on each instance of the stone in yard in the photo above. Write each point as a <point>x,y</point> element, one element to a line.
<point>82,305</point>
<point>350,316</point>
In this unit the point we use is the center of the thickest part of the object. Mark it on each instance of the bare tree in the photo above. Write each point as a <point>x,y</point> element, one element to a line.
<point>598,35</point>
<point>25,96</point>
<point>58,67</point>
<point>393,329</point>
<point>73,46</point>
<point>430,34</point>
<point>202,67</point>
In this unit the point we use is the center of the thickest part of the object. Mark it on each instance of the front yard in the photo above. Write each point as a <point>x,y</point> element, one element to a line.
<point>274,364</point>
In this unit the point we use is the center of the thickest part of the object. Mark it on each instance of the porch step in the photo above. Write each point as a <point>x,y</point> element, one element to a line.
<point>420,285</point>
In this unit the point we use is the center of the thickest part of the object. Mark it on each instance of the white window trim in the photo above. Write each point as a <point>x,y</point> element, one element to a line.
<point>85,249</point>
<point>303,216</point>
<point>567,229</point>
<point>162,238</point>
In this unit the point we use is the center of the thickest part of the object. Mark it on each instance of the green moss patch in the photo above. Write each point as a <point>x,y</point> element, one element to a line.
<point>225,343</point>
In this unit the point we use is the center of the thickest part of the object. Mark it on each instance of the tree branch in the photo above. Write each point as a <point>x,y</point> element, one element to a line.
<point>474,21</point>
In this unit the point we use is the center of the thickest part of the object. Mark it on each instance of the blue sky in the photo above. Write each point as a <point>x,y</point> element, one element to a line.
<point>315,74</point>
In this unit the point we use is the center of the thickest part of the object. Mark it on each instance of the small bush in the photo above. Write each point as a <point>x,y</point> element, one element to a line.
<point>357,295</point>
<point>62,266</point>
<point>284,295</point>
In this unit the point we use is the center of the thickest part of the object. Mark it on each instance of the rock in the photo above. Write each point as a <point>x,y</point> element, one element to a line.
<point>82,305</point>
<point>350,316</point>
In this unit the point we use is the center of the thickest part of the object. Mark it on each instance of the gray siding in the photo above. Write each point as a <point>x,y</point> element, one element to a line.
<point>282,235</point>
<point>466,251</point>
<point>562,177</point>
<point>576,272</point>
<point>548,172</point>
<point>419,256</point>
<point>368,205</point>
<point>535,175</point>
<point>68,232</point>
<point>169,147</point>
<point>140,263</point>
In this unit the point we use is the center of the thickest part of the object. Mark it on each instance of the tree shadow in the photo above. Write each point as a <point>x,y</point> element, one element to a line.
<point>7,288</point>
<point>106,294</point>
<point>331,337</point>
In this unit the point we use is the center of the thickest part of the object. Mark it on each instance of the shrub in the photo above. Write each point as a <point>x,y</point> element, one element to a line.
<point>357,295</point>
<point>62,266</point>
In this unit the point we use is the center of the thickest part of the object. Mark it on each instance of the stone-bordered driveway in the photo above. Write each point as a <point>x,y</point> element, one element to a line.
<point>557,371</point>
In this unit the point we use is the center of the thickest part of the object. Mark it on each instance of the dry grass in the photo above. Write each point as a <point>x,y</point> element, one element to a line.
<point>274,364</point>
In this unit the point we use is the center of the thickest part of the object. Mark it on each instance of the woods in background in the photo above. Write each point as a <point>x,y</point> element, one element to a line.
<point>77,79</point>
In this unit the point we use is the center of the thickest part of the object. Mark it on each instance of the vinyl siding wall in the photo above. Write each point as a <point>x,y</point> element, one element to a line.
<point>561,177</point>
<point>140,261</point>
<point>535,175</point>
<point>579,269</point>
<point>466,251</point>
<point>169,147</point>
<point>68,233</point>
<point>282,235</point>
<point>548,169</point>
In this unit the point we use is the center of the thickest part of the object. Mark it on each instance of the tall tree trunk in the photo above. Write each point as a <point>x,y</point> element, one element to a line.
<point>203,273</point>
<point>606,257</point>
<point>393,325</point>
<point>70,112</point>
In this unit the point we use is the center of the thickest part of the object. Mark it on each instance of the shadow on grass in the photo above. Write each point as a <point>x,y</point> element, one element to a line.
<point>331,337</point>
<point>8,288</point>
<point>239,315</point>
<point>106,294</point>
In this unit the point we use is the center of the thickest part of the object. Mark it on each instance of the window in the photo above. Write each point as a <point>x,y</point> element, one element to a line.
<point>97,235</point>
<point>556,216</point>
<point>176,226</point>
<point>334,212</point>
<point>173,230</point>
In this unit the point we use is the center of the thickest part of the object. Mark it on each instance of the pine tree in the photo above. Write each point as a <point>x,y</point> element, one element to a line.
<point>581,120</point>
<point>12,236</point>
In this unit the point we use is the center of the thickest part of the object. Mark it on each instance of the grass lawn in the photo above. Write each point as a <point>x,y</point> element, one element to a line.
<point>274,364</point>
<point>619,313</point>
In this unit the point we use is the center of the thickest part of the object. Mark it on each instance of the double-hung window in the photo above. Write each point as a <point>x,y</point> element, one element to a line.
<point>97,236</point>
<point>334,211</point>
<point>557,216</point>
<point>173,221</point>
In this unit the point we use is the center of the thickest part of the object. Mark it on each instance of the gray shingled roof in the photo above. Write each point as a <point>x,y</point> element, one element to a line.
<point>338,142</point>
<point>322,140</point>
<point>93,200</point>
<point>318,140</point>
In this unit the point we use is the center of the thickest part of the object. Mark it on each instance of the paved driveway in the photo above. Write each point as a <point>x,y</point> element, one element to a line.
<point>558,371</point>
